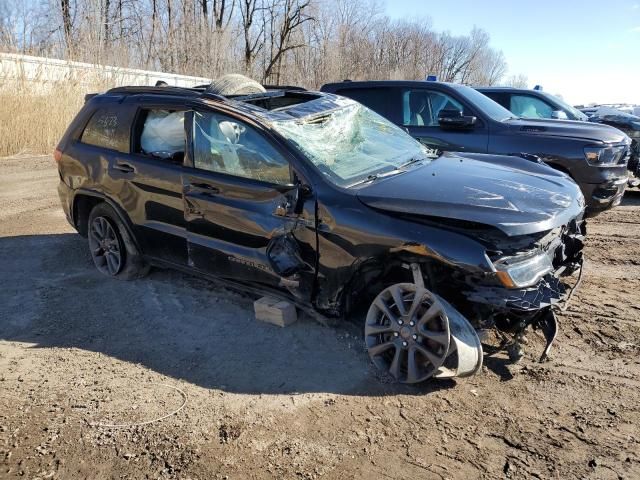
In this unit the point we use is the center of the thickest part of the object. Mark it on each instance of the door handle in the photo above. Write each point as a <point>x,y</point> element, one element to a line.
<point>123,167</point>
<point>205,188</point>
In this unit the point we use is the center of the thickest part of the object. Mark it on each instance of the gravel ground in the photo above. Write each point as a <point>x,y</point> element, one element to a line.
<point>79,353</point>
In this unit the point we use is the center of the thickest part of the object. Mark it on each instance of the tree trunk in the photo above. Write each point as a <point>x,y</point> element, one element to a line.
<point>66,22</point>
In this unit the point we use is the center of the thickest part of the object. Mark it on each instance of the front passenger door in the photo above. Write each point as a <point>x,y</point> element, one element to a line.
<point>245,220</point>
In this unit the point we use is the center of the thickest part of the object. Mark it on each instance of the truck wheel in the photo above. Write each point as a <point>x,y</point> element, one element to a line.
<point>407,332</point>
<point>112,249</point>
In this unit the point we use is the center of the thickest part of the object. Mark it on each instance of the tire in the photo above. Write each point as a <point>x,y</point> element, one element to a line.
<point>113,251</point>
<point>234,84</point>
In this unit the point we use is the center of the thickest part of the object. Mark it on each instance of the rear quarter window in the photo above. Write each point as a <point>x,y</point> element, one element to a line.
<point>105,129</point>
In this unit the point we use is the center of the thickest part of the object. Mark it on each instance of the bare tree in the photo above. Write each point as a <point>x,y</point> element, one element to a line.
<point>252,44</point>
<point>286,18</point>
<point>66,21</point>
<point>306,42</point>
<point>517,81</point>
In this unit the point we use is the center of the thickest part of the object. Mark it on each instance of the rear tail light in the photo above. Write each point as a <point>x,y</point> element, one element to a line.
<point>57,155</point>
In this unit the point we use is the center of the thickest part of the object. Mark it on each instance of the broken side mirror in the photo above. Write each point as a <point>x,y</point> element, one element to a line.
<point>451,118</point>
<point>295,195</point>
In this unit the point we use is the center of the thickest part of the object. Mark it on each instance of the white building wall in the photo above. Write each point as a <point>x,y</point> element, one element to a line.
<point>40,73</point>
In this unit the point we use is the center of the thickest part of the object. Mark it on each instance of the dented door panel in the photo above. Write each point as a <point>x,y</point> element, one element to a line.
<point>244,230</point>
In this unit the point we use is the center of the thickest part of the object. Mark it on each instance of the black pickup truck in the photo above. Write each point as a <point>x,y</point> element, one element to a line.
<point>455,117</point>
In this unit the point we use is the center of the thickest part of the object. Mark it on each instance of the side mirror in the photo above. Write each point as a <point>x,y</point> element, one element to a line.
<point>451,118</point>
<point>559,115</point>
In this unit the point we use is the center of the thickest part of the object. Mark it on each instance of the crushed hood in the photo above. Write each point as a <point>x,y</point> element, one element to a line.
<point>589,131</point>
<point>514,195</point>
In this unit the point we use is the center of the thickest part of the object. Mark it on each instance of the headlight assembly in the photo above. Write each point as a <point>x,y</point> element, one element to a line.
<point>606,156</point>
<point>523,271</point>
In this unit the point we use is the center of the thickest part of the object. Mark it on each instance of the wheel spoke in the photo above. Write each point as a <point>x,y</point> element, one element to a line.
<point>377,329</point>
<point>100,227</point>
<point>412,367</point>
<point>385,309</point>
<point>398,299</point>
<point>394,368</point>
<point>417,300</point>
<point>112,264</point>
<point>441,338</point>
<point>432,357</point>
<point>431,312</point>
<point>380,348</point>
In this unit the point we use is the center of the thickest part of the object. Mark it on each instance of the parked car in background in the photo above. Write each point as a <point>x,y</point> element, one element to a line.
<point>629,124</point>
<point>452,117</point>
<point>527,103</point>
<point>317,199</point>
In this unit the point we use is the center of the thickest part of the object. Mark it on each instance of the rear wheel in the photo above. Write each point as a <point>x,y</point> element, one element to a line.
<point>112,249</point>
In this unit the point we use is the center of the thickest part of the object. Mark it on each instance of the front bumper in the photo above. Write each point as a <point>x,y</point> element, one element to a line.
<point>550,290</point>
<point>602,196</point>
<point>513,309</point>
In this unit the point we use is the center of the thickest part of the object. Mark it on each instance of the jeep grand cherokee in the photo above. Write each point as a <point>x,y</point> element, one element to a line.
<point>314,198</point>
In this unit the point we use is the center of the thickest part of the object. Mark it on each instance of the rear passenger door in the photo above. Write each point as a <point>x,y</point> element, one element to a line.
<point>417,110</point>
<point>146,181</point>
<point>246,222</point>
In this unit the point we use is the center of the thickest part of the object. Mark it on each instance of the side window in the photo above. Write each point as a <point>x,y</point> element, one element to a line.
<point>499,97</point>
<point>160,134</point>
<point>421,107</point>
<point>104,130</point>
<point>373,98</point>
<point>226,145</point>
<point>526,106</point>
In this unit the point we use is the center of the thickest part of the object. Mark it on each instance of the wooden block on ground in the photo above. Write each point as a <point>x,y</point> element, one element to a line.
<point>274,311</point>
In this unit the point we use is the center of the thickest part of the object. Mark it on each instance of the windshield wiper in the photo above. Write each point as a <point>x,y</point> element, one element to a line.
<point>412,161</point>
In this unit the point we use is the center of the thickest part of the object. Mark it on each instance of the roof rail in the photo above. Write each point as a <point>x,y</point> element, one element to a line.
<point>163,90</point>
<point>284,87</point>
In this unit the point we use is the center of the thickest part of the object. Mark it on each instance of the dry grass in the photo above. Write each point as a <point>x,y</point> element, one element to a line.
<point>32,121</point>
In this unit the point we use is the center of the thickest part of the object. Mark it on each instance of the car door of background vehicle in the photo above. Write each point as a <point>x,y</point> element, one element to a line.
<point>417,110</point>
<point>244,223</point>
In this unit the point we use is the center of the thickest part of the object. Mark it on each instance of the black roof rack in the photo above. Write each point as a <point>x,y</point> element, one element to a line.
<point>163,90</point>
<point>284,87</point>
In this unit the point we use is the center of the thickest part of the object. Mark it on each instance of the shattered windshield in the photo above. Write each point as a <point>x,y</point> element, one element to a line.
<point>351,143</point>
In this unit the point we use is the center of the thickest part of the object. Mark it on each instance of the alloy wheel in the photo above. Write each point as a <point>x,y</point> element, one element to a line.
<point>105,246</point>
<point>407,332</point>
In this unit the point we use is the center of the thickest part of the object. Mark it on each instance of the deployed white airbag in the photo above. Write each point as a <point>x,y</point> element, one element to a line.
<point>163,133</point>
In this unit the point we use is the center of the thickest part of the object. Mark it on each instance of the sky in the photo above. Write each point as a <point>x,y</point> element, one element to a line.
<point>587,51</point>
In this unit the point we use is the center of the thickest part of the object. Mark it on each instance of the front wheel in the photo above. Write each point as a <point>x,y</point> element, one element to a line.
<point>407,332</point>
<point>112,249</point>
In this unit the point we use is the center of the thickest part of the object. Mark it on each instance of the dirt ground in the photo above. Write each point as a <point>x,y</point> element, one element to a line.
<point>79,352</point>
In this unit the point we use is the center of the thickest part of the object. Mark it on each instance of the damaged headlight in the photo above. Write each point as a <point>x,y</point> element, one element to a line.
<point>606,156</point>
<point>524,270</point>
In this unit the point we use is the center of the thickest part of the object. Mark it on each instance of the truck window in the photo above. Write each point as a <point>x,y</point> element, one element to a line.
<point>373,98</point>
<point>526,106</point>
<point>421,107</point>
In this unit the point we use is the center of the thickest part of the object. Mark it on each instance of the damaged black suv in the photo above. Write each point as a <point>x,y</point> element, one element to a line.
<point>317,199</point>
